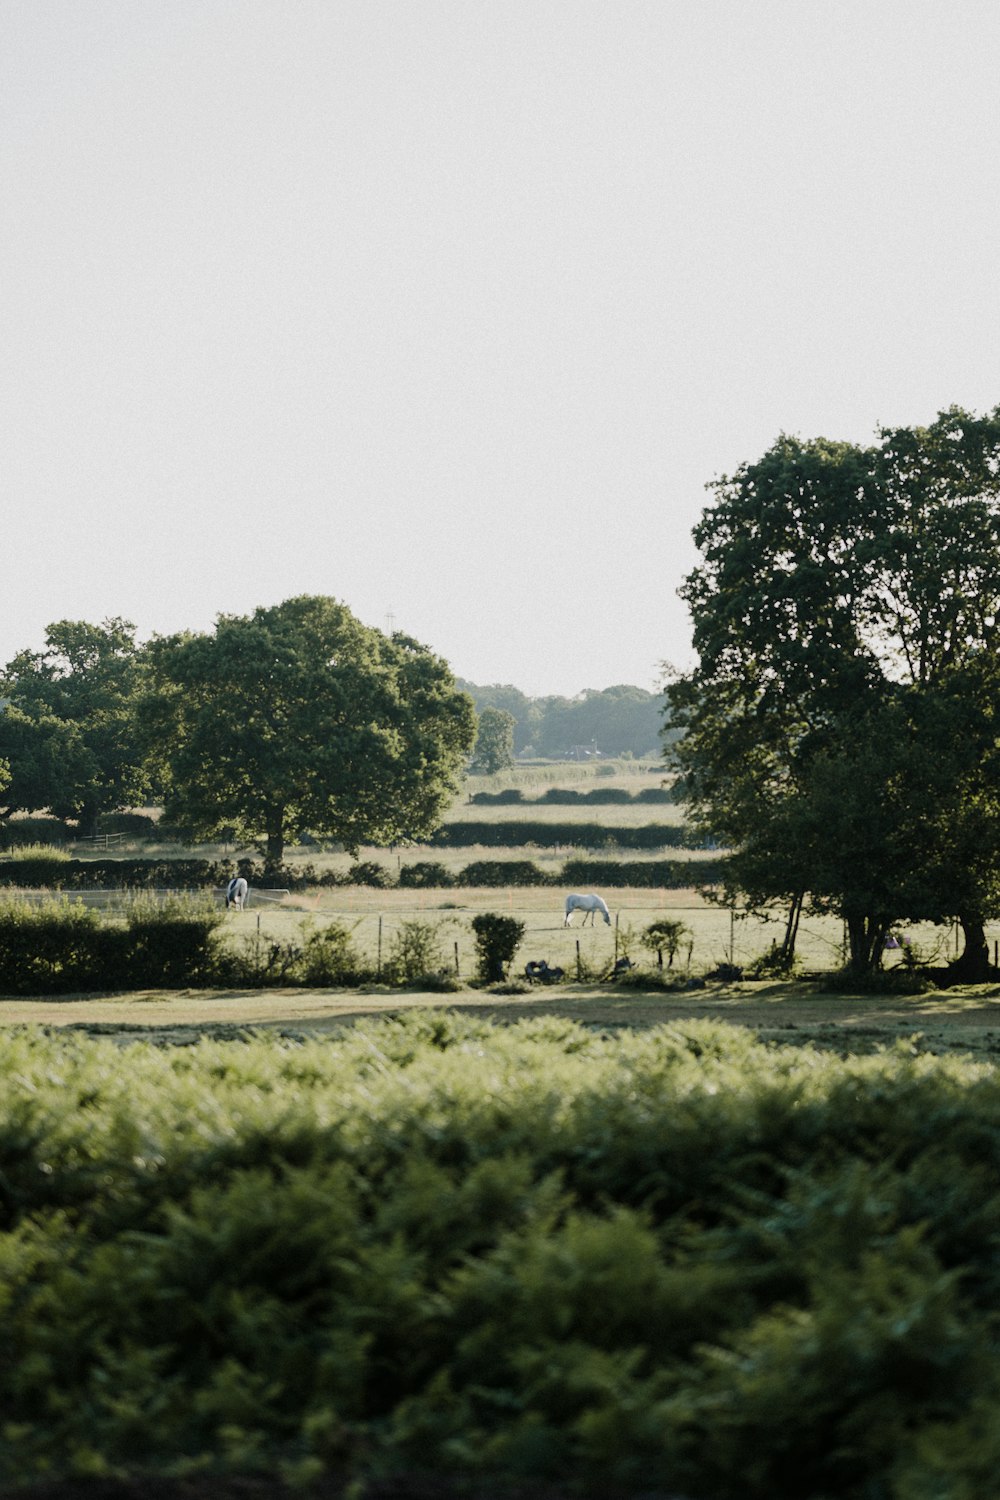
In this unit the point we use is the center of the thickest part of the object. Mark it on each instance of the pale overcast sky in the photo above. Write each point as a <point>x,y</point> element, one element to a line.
<point>451,308</point>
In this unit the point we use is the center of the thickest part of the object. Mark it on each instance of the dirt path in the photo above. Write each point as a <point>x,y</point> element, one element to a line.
<point>960,1020</point>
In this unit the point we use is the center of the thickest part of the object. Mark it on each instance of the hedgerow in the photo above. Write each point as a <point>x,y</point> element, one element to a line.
<point>515,834</point>
<point>676,1262</point>
<point>54,871</point>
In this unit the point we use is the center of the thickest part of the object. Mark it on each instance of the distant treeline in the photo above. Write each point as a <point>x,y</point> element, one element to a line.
<point>622,720</point>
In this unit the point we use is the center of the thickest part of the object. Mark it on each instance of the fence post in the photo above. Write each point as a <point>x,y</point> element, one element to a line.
<point>456,961</point>
<point>617,915</point>
<point>378,969</point>
<point>579,974</point>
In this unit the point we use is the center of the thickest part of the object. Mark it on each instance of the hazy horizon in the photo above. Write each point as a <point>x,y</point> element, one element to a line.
<point>451,311</point>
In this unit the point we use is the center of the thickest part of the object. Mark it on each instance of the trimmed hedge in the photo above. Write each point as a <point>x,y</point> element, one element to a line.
<point>515,835</point>
<point>157,874</point>
<point>17,832</point>
<point>571,797</point>
<point>52,950</point>
<point>206,874</point>
<point>666,873</point>
<point>503,872</point>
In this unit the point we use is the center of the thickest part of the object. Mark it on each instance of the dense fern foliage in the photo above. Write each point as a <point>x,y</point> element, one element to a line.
<point>675,1262</point>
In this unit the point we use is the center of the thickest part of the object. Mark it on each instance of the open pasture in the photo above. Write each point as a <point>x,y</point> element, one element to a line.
<point>716,935</point>
<point>375,918</point>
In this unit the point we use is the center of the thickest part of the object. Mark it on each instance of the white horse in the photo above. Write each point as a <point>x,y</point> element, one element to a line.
<point>236,893</point>
<point>588,905</point>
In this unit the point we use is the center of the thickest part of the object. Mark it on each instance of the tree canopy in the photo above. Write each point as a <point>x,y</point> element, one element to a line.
<point>494,742</point>
<point>839,728</point>
<point>67,730</point>
<point>298,718</point>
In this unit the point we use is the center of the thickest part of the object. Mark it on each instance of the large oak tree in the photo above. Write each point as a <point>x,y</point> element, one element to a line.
<point>299,718</point>
<point>839,730</point>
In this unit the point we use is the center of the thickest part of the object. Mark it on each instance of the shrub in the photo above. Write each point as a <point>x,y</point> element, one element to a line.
<point>328,955</point>
<point>501,872</point>
<point>665,935</point>
<point>776,963</point>
<point>428,872</point>
<point>497,940</point>
<point>370,873</point>
<point>170,943</point>
<point>36,865</point>
<point>18,832</point>
<point>60,947</point>
<point>414,952</point>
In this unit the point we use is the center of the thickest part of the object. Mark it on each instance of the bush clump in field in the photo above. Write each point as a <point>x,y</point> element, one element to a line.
<point>497,940</point>
<point>370,873</point>
<point>665,935</point>
<point>415,952</point>
<point>328,956</point>
<point>424,873</point>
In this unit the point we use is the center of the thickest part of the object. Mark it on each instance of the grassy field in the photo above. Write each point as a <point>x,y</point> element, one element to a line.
<point>376,917</point>
<point>964,1021</point>
<point>715,935</point>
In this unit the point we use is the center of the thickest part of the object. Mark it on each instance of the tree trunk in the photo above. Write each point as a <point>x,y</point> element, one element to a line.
<point>274,853</point>
<point>866,936</point>
<point>973,964</point>
<point>792,927</point>
<point>90,812</point>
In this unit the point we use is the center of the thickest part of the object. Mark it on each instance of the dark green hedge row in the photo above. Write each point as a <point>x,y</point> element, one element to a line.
<point>160,874</point>
<point>207,874</point>
<point>567,796</point>
<point>514,835</point>
<point>65,949</point>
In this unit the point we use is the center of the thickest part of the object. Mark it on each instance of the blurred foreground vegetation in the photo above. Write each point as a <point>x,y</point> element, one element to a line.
<point>677,1262</point>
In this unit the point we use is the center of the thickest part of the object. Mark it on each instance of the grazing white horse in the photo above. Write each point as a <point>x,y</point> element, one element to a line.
<point>590,906</point>
<point>236,893</point>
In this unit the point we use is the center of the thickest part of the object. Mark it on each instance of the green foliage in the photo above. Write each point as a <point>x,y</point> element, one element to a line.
<point>59,947</point>
<point>502,872</point>
<point>494,750</point>
<point>19,833</point>
<point>515,834</point>
<point>299,718</point>
<point>329,956</point>
<point>776,963</point>
<point>622,720</point>
<point>370,873</point>
<point>497,940</point>
<point>665,935</point>
<point>505,1255</point>
<point>427,872</point>
<point>415,951</point>
<point>68,730</point>
<point>840,729</point>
